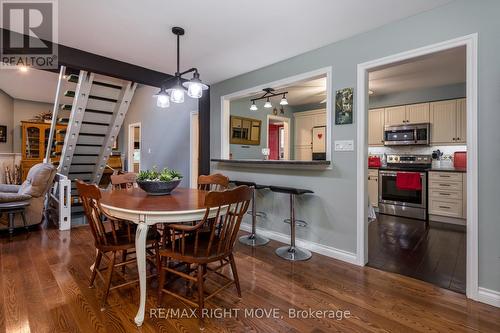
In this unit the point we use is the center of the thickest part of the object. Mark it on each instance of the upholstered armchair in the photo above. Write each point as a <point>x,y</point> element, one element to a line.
<point>37,183</point>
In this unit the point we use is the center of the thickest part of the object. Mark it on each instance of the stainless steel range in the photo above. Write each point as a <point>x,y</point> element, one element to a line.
<point>404,202</point>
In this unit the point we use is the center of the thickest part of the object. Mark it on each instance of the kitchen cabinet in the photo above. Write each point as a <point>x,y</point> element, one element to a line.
<point>417,113</point>
<point>461,120</point>
<point>448,121</point>
<point>407,114</point>
<point>447,197</point>
<point>376,127</point>
<point>303,128</point>
<point>245,131</point>
<point>395,115</point>
<point>373,187</point>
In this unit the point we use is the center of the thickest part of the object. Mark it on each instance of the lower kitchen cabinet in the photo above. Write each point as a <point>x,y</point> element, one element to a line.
<point>373,187</point>
<point>447,197</point>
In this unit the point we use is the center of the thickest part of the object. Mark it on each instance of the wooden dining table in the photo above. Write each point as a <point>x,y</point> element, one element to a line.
<point>135,205</point>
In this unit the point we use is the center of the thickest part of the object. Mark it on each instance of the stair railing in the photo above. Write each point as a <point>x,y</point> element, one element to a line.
<point>55,113</point>
<point>61,196</point>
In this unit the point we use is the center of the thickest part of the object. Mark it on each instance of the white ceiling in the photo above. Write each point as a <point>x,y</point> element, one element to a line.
<point>434,70</point>
<point>224,38</point>
<point>33,85</point>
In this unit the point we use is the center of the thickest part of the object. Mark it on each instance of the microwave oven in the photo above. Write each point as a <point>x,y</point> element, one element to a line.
<point>403,135</point>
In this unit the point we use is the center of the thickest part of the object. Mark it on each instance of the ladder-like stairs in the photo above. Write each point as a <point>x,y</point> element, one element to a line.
<point>93,117</point>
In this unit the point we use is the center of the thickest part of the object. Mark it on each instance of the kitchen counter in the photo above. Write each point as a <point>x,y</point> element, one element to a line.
<point>448,169</point>
<point>274,163</point>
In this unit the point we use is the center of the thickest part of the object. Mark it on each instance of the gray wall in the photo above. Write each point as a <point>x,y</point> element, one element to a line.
<point>240,107</point>
<point>25,110</point>
<point>6,118</point>
<point>418,96</point>
<point>164,132</point>
<point>331,211</point>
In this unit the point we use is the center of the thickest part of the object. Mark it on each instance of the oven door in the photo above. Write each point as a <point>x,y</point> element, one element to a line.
<point>390,194</point>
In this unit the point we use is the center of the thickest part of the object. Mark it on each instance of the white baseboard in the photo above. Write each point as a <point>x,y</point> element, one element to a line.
<point>488,296</point>
<point>328,251</point>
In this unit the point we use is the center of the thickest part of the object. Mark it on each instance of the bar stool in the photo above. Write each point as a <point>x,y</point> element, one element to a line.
<point>291,252</point>
<point>253,239</point>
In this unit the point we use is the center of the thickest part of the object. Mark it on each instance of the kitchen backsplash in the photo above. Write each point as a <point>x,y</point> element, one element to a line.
<point>447,151</point>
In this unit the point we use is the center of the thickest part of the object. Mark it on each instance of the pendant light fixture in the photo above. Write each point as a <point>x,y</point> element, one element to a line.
<point>268,93</point>
<point>176,93</point>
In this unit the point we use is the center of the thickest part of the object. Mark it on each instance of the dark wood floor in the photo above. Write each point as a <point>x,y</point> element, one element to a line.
<point>44,278</point>
<point>405,246</point>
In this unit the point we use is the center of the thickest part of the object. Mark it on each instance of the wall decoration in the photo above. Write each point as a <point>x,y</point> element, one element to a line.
<point>3,133</point>
<point>344,106</point>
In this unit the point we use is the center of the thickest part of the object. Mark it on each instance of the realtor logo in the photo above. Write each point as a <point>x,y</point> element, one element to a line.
<point>28,28</point>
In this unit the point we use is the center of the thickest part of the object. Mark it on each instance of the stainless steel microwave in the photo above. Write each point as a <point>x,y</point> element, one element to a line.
<point>403,135</point>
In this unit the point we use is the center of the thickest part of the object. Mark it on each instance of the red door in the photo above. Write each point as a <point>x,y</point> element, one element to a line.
<point>274,141</point>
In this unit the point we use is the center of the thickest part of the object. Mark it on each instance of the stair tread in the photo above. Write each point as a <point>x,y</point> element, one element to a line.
<point>71,93</point>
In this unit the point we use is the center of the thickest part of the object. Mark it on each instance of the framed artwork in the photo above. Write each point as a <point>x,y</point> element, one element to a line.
<point>344,106</point>
<point>3,133</point>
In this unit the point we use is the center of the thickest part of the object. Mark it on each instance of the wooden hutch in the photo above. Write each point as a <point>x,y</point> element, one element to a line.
<point>35,137</point>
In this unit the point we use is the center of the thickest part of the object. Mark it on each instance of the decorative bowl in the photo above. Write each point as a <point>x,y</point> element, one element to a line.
<point>154,187</point>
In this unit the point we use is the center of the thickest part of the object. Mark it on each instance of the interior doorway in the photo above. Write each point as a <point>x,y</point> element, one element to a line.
<point>469,106</point>
<point>134,147</point>
<point>278,137</point>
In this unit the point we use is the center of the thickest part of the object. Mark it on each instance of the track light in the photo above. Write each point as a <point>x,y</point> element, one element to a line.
<point>268,104</point>
<point>253,107</point>
<point>284,101</point>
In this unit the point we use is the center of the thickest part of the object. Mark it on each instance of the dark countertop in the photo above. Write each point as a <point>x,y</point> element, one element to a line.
<point>273,162</point>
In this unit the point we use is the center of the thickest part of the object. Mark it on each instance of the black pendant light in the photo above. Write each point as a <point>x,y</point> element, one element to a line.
<point>175,93</point>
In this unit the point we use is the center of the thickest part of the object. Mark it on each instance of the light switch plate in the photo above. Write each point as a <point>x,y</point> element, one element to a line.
<point>344,145</point>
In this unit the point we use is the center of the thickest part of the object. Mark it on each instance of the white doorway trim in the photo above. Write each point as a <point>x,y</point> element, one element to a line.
<point>193,149</point>
<point>286,126</point>
<point>226,99</point>
<point>130,149</point>
<point>470,42</point>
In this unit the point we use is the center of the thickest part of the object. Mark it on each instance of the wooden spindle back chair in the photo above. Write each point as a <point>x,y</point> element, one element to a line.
<point>215,182</point>
<point>193,245</point>
<point>111,239</point>
<point>123,181</point>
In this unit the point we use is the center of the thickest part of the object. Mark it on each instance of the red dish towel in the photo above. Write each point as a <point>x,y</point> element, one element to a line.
<point>408,181</point>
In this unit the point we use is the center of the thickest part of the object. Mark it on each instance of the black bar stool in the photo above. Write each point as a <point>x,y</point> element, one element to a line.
<point>291,252</point>
<point>253,239</point>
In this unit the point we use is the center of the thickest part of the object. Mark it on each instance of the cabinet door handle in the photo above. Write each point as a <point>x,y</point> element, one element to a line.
<point>458,139</point>
<point>444,176</point>
<point>446,185</point>
<point>445,207</point>
<point>441,193</point>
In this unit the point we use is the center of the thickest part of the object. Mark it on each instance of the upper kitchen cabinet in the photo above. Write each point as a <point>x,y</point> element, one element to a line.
<point>448,121</point>
<point>407,114</point>
<point>376,127</point>
<point>417,113</point>
<point>395,115</point>
<point>461,120</point>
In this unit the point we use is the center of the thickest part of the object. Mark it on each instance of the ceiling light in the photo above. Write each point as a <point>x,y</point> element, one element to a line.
<point>194,87</point>
<point>253,107</point>
<point>284,101</point>
<point>268,104</point>
<point>370,92</point>
<point>162,99</point>
<point>23,69</point>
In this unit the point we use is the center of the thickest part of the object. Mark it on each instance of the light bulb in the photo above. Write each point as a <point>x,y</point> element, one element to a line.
<point>253,107</point>
<point>268,104</point>
<point>284,101</point>
<point>23,69</point>
<point>195,90</point>
<point>163,101</point>
<point>177,95</point>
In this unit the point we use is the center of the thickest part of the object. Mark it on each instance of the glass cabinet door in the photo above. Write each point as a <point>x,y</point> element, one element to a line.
<point>33,149</point>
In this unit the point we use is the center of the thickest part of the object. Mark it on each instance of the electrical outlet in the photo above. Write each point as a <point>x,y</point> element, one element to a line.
<point>344,145</point>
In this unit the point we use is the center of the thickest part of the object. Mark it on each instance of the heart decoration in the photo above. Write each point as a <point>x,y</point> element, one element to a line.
<point>320,135</point>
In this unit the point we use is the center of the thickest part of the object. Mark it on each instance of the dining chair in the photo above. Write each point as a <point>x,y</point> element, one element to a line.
<point>198,248</point>
<point>111,240</point>
<point>214,182</point>
<point>123,181</point>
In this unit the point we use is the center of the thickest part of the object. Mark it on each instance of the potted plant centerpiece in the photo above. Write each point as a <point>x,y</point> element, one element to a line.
<point>155,182</point>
